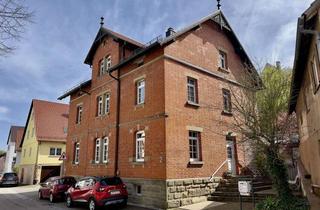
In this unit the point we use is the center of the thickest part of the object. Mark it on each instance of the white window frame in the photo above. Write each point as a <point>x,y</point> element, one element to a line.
<point>191,151</point>
<point>222,59</point>
<point>192,96</point>
<point>76,153</point>
<point>107,103</point>
<point>140,146</point>
<point>108,63</point>
<point>97,152</point>
<point>100,105</point>
<point>141,91</point>
<point>102,66</point>
<point>79,114</point>
<point>105,150</point>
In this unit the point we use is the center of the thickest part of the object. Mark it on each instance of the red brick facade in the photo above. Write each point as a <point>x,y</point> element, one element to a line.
<point>165,116</point>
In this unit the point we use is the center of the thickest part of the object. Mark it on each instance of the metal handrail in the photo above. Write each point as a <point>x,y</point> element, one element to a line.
<point>216,171</point>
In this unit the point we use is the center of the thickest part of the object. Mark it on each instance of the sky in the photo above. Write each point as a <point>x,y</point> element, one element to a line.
<point>49,58</point>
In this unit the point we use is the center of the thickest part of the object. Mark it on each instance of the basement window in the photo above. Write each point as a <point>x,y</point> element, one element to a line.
<point>138,189</point>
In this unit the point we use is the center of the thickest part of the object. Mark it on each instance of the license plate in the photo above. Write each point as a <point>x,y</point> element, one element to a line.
<point>115,192</point>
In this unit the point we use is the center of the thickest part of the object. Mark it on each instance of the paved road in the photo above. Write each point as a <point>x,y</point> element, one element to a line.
<point>25,197</point>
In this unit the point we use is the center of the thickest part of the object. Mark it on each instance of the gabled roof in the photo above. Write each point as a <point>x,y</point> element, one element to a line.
<point>307,20</point>
<point>16,133</point>
<point>51,120</point>
<point>107,32</point>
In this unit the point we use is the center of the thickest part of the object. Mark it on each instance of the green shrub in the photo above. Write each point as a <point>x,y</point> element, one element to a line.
<point>271,203</point>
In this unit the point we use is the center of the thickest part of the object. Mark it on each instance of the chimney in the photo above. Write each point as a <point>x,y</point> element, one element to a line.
<point>278,65</point>
<point>169,32</point>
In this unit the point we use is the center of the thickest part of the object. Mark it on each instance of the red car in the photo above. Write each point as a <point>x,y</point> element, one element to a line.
<point>55,187</point>
<point>98,192</point>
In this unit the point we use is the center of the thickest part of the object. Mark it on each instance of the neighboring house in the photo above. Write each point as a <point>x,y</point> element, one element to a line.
<point>2,162</point>
<point>162,119</point>
<point>43,141</point>
<point>305,94</point>
<point>14,138</point>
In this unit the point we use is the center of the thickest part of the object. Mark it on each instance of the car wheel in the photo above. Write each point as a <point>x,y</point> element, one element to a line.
<point>40,195</point>
<point>69,201</point>
<point>51,198</point>
<point>92,204</point>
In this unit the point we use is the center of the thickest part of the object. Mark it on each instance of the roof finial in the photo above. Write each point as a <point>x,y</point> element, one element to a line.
<point>101,22</point>
<point>218,5</point>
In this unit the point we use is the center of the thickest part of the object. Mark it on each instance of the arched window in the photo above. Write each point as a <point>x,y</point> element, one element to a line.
<point>105,150</point>
<point>97,151</point>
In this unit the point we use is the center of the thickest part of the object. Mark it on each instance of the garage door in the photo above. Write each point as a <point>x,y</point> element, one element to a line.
<point>49,171</point>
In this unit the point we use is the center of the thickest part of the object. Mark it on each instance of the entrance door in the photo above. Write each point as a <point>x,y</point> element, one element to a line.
<point>231,159</point>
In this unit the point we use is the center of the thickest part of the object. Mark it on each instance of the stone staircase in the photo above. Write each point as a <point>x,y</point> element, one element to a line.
<point>227,190</point>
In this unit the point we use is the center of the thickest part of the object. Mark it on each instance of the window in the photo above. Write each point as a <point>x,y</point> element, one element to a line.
<point>103,104</point>
<point>107,103</point>
<point>105,150</point>
<point>97,151</point>
<point>315,72</point>
<point>32,132</point>
<point>76,152</point>
<point>194,145</point>
<point>108,62</point>
<point>138,189</point>
<point>24,153</point>
<point>223,60</point>
<point>30,150</point>
<point>79,114</point>
<point>192,90</point>
<point>227,107</point>
<point>140,91</point>
<point>100,105</point>
<point>28,134</point>
<point>55,151</point>
<point>101,67</point>
<point>140,137</point>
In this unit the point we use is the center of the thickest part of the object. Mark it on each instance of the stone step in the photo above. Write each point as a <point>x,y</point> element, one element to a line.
<point>235,189</point>
<point>236,194</point>
<point>236,199</point>
<point>255,184</point>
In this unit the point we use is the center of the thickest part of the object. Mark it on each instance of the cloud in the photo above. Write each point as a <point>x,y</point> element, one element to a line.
<point>3,110</point>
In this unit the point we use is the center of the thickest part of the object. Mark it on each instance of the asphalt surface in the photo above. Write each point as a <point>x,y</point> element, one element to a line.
<point>25,197</point>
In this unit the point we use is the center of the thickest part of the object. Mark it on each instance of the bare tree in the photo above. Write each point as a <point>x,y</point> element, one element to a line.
<point>13,19</point>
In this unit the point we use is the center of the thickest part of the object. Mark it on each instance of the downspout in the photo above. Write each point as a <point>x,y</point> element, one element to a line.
<point>117,79</point>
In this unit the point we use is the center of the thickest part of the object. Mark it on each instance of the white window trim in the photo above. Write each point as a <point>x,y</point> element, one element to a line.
<point>102,66</point>
<point>55,151</point>
<point>193,86</point>
<point>141,95</point>
<point>100,105</point>
<point>76,153</point>
<point>108,63</point>
<point>142,139</point>
<point>197,148</point>
<point>107,103</point>
<point>79,114</point>
<point>97,151</point>
<point>222,59</point>
<point>105,149</point>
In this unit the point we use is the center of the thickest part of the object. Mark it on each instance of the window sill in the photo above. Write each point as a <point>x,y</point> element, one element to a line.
<point>195,162</point>
<point>102,116</point>
<point>139,105</point>
<point>224,70</point>
<point>227,113</point>
<point>138,162</point>
<point>190,103</point>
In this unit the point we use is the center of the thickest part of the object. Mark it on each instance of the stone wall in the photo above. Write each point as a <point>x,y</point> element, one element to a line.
<point>181,192</point>
<point>153,192</point>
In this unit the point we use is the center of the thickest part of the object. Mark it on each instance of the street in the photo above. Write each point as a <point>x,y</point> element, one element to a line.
<point>25,197</point>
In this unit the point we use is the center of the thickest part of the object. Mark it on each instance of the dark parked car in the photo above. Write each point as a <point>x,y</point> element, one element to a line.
<point>9,179</point>
<point>55,187</point>
<point>98,192</point>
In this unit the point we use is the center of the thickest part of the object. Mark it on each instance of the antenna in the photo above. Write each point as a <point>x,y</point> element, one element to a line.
<point>101,22</point>
<point>218,5</point>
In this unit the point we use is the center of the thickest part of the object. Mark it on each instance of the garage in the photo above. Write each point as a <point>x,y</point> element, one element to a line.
<point>49,171</point>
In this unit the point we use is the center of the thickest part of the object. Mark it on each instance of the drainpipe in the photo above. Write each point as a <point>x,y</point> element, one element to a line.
<point>117,79</point>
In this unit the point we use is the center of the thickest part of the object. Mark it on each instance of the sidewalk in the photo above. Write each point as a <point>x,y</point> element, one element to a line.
<point>212,205</point>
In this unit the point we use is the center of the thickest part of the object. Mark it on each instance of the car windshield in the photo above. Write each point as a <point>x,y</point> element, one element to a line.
<point>6,175</point>
<point>110,181</point>
<point>69,180</point>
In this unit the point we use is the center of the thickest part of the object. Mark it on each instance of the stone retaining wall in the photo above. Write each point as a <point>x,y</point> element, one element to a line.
<point>183,192</point>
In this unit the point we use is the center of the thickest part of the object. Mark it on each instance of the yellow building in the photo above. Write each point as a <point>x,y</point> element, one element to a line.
<point>43,141</point>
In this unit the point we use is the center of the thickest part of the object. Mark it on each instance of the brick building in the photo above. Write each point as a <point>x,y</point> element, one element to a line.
<point>159,114</point>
